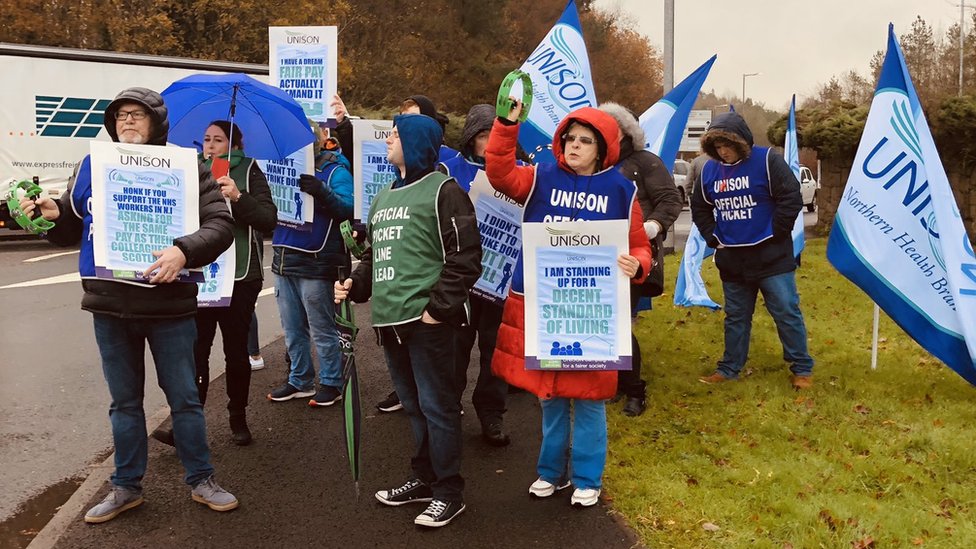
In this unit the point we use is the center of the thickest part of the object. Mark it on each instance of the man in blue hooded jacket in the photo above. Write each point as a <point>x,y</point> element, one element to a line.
<point>424,256</point>
<point>745,206</point>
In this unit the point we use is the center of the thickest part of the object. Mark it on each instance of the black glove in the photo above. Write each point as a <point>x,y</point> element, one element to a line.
<point>313,186</point>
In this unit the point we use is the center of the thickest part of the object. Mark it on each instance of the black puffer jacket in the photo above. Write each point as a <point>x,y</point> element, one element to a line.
<point>200,248</point>
<point>659,199</point>
<point>770,257</point>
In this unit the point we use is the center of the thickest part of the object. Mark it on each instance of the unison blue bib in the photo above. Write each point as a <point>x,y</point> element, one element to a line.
<point>561,196</point>
<point>309,241</point>
<point>740,194</point>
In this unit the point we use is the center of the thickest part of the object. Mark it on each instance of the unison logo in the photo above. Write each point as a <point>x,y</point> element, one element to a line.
<point>558,63</point>
<point>69,116</point>
<point>901,168</point>
<point>293,37</point>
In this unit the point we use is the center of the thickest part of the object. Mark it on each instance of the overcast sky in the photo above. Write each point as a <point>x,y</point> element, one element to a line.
<point>796,44</point>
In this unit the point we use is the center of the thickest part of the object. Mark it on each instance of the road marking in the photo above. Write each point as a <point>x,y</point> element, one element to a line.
<point>50,256</point>
<point>70,277</point>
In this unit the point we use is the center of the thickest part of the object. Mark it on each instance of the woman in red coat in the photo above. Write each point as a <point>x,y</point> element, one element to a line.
<point>586,147</point>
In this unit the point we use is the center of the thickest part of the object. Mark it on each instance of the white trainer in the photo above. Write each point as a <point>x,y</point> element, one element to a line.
<point>543,488</point>
<point>585,497</point>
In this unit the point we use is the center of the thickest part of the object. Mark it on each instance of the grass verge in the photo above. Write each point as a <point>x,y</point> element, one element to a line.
<point>866,458</point>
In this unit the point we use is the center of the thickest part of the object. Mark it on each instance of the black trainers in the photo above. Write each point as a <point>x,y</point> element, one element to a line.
<point>413,491</point>
<point>326,396</point>
<point>288,392</point>
<point>390,404</point>
<point>634,406</point>
<point>439,513</point>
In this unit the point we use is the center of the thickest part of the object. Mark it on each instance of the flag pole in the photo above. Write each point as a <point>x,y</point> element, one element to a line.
<point>874,338</point>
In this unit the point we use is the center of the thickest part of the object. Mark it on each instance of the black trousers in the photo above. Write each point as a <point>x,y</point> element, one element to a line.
<point>235,323</point>
<point>490,392</point>
<point>629,382</point>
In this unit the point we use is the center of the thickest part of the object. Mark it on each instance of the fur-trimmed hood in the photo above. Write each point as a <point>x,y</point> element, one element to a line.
<point>629,126</point>
<point>731,127</point>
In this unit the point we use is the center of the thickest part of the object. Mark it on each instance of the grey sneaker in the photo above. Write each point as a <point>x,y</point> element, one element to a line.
<point>118,500</point>
<point>209,493</point>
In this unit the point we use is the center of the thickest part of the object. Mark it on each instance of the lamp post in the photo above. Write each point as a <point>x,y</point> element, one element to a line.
<point>744,75</point>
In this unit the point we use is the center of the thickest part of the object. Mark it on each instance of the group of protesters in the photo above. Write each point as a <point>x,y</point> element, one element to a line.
<point>425,227</point>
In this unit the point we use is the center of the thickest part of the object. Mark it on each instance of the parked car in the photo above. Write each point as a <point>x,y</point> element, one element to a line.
<point>808,188</point>
<point>682,179</point>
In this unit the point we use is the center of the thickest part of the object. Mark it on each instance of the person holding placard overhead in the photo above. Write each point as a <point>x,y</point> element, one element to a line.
<point>159,310</point>
<point>586,147</point>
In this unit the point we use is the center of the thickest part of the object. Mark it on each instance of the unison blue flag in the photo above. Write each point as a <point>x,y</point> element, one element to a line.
<point>898,233</point>
<point>792,153</point>
<point>561,82</point>
<point>689,289</point>
<point>664,123</point>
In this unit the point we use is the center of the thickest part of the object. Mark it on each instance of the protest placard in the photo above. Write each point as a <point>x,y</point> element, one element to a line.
<point>143,197</point>
<point>577,306</point>
<point>218,284</point>
<point>372,171</point>
<point>304,64</point>
<point>499,221</point>
<point>295,208</point>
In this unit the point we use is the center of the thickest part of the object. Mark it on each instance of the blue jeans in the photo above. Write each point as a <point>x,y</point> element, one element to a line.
<point>122,345</point>
<point>783,303</point>
<point>421,363</point>
<point>588,434</point>
<point>307,308</point>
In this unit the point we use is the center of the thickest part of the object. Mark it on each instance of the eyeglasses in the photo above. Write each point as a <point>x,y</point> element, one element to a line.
<point>570,138</point>
<point>136,115</point>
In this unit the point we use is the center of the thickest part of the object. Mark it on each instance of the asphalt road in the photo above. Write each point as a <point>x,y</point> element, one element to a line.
<point>296,489</point>
<point>53,398</point>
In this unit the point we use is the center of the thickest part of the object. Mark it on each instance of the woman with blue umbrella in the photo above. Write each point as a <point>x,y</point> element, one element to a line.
<point>244,185</point>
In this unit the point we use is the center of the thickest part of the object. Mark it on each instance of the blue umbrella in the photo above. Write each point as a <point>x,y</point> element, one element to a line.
<point>271,121</point>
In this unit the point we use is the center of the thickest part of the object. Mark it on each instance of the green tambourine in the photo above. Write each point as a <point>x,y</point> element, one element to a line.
<point>26,189</point>
<point>354,247</point>
<point>504,105</point>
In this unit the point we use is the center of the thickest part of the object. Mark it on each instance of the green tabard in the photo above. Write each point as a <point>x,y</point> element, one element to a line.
<point>408,254</point>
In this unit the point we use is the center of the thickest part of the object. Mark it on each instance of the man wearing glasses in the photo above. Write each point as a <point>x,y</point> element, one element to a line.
<point>158,310</point>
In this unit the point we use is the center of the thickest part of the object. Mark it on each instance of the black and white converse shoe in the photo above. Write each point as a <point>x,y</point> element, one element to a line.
<point>412,491</point>
<point>439,513</point>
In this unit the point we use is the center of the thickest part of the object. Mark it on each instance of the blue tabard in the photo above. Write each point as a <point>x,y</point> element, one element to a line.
<point>81,204</point>
<point>462,170</point>
<point>740,194</point>
<point>554,198</point>
<point>309,241</point>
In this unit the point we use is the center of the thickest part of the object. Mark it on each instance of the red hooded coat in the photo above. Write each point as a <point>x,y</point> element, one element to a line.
<point>517,183</point>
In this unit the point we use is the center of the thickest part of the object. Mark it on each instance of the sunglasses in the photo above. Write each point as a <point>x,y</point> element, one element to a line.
<point>570,138</point>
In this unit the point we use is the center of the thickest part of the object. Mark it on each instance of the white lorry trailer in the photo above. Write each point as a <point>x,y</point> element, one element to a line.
<point>54,99</point>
